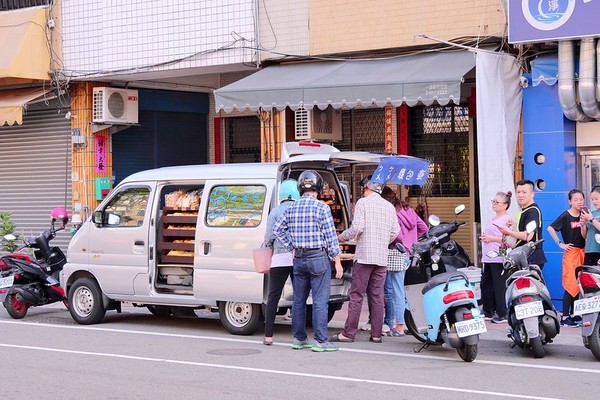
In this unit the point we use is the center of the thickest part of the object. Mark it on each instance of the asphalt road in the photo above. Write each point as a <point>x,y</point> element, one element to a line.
<point>135,355</point>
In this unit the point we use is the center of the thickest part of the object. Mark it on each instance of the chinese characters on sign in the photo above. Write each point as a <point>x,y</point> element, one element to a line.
<point>389,148</point>
<point>100,140</point>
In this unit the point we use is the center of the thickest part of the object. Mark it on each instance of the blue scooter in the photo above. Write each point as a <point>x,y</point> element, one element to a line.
<point>442,306</point>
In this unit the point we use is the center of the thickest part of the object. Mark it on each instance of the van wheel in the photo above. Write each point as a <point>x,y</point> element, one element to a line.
<point>240,318</point>
<point>159,311</point>
<point>85,302</point>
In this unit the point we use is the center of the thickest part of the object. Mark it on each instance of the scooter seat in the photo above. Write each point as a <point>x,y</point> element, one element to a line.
<point>588,268</point>
<point>441,279</point>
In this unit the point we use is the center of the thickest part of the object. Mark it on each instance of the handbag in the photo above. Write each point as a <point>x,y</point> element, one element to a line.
<point>396,260</point>
<point>262,259</point>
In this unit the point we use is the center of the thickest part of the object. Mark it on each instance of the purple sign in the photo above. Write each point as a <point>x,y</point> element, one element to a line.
<point>543,20</point>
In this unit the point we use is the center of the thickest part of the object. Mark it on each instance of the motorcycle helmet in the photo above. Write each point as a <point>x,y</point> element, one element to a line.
<point>310,180</point>
<point>375,187</point>
<point>288,190</point>
<point>60,214</point>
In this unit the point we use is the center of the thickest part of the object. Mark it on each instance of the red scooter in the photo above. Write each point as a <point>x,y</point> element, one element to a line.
<point>25,282</point>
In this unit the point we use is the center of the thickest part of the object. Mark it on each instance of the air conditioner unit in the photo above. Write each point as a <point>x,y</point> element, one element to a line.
<point>316,124</point>
<point>115,106</point>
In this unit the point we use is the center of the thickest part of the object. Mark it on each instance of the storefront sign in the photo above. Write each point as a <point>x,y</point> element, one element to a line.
<point>389,137</point>
<point>543,20</point>
<point>100,141</point>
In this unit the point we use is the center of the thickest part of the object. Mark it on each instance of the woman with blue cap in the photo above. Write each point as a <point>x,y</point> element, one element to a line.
<point>282,260</point>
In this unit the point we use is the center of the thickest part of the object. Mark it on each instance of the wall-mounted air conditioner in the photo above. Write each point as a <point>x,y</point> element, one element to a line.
<point>316,124</point>
<point>115,106</point>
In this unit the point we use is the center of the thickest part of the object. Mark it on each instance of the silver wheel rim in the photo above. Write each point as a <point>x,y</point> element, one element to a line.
<point>83,301</point>
<point>238,313</point>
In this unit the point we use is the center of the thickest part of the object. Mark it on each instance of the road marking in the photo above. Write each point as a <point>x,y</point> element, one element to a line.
<point>248,341</point>
<point>289,373</point>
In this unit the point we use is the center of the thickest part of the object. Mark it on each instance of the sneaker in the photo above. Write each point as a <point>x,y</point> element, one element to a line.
<point>324,346</point>
<point>301,344</point>
<point>487,316</point>
<point>366,327</point>
<point>498,320</point>
<point>577,319</point>
<point>568,322</point>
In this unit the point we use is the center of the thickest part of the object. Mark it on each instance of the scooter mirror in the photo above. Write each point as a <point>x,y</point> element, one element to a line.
<point>434,220</point>
<point>597,237</point>
<point>460,208</point>
<point>10,237</point>
<point>531,226</point>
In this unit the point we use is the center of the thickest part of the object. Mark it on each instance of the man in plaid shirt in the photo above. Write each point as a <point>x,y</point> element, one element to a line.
<point>307,228</point>
<point>374,227</point>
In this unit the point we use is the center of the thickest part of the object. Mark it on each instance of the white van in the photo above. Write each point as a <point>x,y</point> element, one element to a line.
<point>178,239</point>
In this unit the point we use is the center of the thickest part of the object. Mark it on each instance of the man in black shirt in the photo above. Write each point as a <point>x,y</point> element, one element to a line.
<point>529,212</point>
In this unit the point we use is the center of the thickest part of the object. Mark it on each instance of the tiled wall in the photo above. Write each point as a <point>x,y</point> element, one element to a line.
<point>354,25</point>
<point>113,35</point>
<point>283,27</point>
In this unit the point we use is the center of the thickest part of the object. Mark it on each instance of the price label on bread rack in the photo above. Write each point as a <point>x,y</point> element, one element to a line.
<point>527,310</point>
<point>587,306</point>
<point>470,327</point>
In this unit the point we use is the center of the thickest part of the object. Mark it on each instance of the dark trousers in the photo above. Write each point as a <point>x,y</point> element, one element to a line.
<point>493,288</point>
<point>591,258</point>
<point>277,278</point>
<point>568,301</point>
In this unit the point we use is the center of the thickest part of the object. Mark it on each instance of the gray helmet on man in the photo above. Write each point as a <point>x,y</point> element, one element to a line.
<point>375,187</point>
<point>310,180</point>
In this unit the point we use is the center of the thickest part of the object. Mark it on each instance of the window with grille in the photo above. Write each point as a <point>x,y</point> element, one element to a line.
<point>242,138</point>
<point>441,135</point>
<point>6,5</point>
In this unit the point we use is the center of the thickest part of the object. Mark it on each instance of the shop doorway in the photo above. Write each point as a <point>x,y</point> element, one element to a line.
<point>590,170</point>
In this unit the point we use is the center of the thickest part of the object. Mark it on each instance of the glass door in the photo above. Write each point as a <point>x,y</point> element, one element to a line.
<point>590,171</point>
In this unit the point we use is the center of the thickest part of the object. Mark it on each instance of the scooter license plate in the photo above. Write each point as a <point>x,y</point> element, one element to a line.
<point>527,310</point>
<point>587,306</point>
<point>470,327</point>
<point>7,281</point>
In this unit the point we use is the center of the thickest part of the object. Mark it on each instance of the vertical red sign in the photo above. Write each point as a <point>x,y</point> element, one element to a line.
<point>389,137</point>
<point>100,149</point>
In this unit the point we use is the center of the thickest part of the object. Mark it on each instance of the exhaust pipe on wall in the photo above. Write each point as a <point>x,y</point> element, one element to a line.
<point>567,86</point>
<point>588,78</point>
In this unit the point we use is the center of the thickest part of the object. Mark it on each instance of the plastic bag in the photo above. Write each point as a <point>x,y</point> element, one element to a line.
<point>262,259</point>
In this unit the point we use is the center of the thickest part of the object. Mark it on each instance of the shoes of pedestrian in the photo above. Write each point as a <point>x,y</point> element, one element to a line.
<point>385,330</point>
<point>568,322</point>
<point>267,341</point>
<point>375,339</point>
<point>577,319</point>
<point>395,332</point>
<point>498,320</point>
<point>320,347</point>
<point>488,316</point>
<point>366,327</point>
<point>301,344</point>
<point>340,338</point>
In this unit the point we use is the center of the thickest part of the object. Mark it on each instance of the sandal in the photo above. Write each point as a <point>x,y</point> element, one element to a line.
<point>268,342</point>
<point>395,333</point>
<point>375,340</point>
<point>338,338</point>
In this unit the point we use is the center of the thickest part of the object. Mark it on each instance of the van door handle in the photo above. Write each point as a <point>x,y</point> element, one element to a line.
<point>206,248</point>
<point>138,243</point>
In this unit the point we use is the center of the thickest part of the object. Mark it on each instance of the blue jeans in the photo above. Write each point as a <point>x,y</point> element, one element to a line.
<point>312,271</point>
<point>395,298</point>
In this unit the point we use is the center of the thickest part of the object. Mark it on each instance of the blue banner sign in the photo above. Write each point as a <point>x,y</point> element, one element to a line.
<point>402,171</point>
<point>543,20</point>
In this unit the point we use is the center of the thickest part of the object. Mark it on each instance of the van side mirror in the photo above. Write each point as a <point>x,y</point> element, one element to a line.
<point>97,217</point>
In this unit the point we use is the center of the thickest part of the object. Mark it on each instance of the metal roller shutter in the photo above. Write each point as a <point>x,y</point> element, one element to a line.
<point>35,171</point>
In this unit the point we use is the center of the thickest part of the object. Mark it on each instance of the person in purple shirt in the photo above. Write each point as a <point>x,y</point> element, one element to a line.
<point>411,228</point>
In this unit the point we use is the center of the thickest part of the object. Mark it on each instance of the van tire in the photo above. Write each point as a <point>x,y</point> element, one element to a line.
<point>85,302</point>
<point>240,318</point>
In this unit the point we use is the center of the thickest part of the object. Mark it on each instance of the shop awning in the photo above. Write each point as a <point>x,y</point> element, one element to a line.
<point>13,101</point>
<point>425,78</point>
<point>24,53</point>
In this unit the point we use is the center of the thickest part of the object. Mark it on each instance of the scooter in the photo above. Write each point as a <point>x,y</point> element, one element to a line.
<point>442,308</point>
<point>588,306</point>
<point>29,283</point>
<point>532,318</point>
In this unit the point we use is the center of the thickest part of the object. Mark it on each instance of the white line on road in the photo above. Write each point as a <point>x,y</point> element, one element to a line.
<point>249,341</point>
<point>271,371</point>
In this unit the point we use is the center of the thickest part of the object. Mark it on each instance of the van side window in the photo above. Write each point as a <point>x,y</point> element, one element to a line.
<point>127,208</point>
<point>236,205</point>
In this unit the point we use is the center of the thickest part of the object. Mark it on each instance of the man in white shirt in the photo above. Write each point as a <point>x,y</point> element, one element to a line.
<point>374,227</point>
